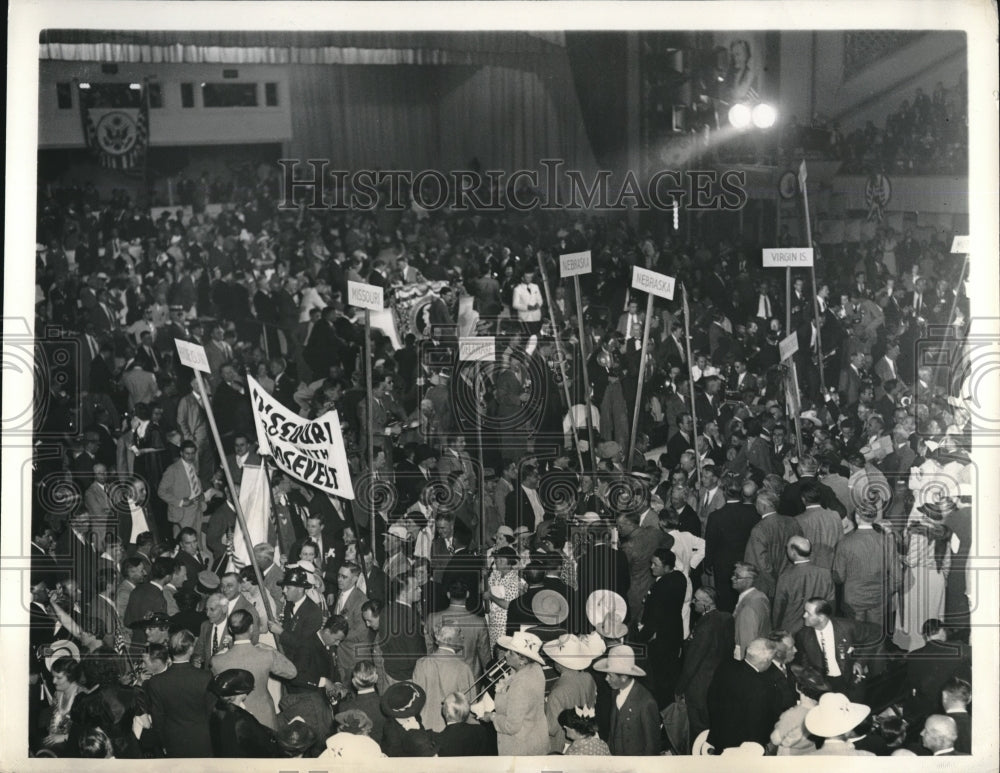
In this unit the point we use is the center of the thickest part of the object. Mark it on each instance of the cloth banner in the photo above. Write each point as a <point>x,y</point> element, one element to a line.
<point>117,136</point>
<point>310,451</point>
<point>255,500</point>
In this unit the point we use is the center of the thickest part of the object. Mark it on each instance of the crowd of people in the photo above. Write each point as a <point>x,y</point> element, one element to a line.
<point>926,134</point>
<point>521,575</point>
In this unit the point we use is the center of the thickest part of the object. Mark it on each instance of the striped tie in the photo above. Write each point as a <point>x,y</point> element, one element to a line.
<point>193,481</point>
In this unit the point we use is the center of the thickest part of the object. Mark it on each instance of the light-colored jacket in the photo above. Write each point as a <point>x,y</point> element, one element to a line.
<point>520,714</point>
<point>261,661</point>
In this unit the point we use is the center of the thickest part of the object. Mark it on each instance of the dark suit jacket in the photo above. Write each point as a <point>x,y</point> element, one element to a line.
<point>635,727</point>
<point>711,643</point>
<point>726,535</point>
<point>662,625</point>
<point>927,669</point>
<point>742,706</point>
<point>370,704</point>
<point>401,638</point>
<point>465,740</point>
<point>314,661</point>
<point>848,634</point>
<point>518,511</point>
<point>180,705</point>
<point>144,599</point>
<point>791,498</point>
<point>295,638</point>
<point>235,732</point>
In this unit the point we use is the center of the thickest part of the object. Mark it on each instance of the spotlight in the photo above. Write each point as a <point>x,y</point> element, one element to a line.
<point>764,116</point>
<point>84,86</point>
<point>135,86</point>
<point>739,116</point>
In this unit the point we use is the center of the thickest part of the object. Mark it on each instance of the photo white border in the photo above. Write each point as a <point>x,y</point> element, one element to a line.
<point>26,19</point>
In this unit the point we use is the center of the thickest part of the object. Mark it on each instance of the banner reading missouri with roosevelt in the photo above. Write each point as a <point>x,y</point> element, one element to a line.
<point>310,451</point>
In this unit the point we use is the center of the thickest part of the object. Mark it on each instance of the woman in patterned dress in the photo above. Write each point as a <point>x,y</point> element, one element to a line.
<point>580,726</point>
<point>502,587</point>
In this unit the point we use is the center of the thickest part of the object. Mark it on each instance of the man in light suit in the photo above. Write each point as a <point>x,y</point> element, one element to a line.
<point>629,319</point>
<point>635,719</point>
<point>753,610</point>
<point>260,660</point>
<point>357,644</point>
<point>181,488</point>
<point>95,498</point>
<point>442,673</point>
<point>475,638</point>
<point>192,421</point>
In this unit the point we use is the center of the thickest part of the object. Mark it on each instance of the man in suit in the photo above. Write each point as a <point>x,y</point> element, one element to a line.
<point>710,494</point>
<point>829,645</point>
<point>523,505</point>
<point>801,580</point>
<point>191,556</point>
<point>260,660</point>
<point>140,383</point>
<point>145,354</point>
<point>102,607</point>
<point>635,718</point>
<point>180,703</point>
<point>318,673</point>
<point>850,378</point>
<point>930,667</point>
<point>475,637</point>
<point>213,635</point>
<point>638,544</point>
<point>148,598</point>
<point>956,694</point>
<point>710,644</point>
<point>680,441</point>
<point>752,616</point>
<point>192,421</point>
<point>95,499</point>
<point>791,498</point>
<point>939,736</point>
<point>768,542</point>
<point>385,410</point>
<point>400,635</point>
<point>868,566</point>
<point>629,319</point>
<point>229,587</point>
<point>357,643</point>
<point>300,620</point>
<point>726,537</point>
<point>823,527</point>
<point>181,488</point>
<point>329,546</point>
<point>742,706</point>
<point>661,627</point>
<point>459,738</point>
<point>441,673</point>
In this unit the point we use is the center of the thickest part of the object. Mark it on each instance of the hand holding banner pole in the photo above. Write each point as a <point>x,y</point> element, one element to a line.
<point>812,273</point>
<point>368,297</point>
<point>653,284</point>
<point>559,356</point>
<point>694,413</point>
<point>193,356</point>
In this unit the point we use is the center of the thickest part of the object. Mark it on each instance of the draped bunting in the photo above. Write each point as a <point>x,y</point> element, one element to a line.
<point>117,137</point>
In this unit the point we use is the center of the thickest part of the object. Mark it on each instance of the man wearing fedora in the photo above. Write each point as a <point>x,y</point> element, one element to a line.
<point>301,618</point>
<point>635,718</point>
<point>441,673</point>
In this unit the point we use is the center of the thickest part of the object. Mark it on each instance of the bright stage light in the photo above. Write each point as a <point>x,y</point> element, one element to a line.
<point>764,116</point>
<point>739,116</point>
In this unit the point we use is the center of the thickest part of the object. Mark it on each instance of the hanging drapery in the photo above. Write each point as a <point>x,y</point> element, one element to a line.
<point>117,136</point>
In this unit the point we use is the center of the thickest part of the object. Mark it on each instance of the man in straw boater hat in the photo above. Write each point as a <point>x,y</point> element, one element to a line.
<point>635,718</point>
<point>833,719</point>
<point>572,655</point>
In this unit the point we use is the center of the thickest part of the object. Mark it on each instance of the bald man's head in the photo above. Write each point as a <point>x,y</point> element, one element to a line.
<point>939,733</point>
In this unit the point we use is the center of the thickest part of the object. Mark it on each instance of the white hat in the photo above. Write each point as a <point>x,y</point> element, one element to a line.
<point>398,531</point>
<point>63,648</point>
<point>589,517</point>
<point>570,651</point>
<point>620,660</point>
<point>745,749</point>
<point>602,603</point>
<point>351,747</point>
<point>835,715</point>
<point>527,644</point>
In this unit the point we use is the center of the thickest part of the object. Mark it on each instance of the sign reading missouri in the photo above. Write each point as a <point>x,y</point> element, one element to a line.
<point>788,257</point>
<point>365,296</point>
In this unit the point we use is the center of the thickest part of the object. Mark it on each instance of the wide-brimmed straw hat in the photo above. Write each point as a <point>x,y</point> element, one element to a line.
<point>550,607</point>
<point>570,652</point>
<point>835,715</point>
<point>526,644</point>
<point>620,660</point>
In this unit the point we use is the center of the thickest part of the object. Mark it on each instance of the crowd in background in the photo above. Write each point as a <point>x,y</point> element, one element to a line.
<point>740,576</point>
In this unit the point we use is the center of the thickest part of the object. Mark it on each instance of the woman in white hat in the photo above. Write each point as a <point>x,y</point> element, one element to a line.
<point>833,719</point>
<point>519,717</point>
<point>574,687</point>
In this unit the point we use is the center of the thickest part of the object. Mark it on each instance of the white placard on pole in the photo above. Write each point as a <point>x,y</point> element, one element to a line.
<point>192,355</point>
<point>477,349</point>
<point>653,283</point>
<point>365,296</point>
<point>574,264</point>
<point>960,244</point>
<point>788,257</point>
<point>788,346</point>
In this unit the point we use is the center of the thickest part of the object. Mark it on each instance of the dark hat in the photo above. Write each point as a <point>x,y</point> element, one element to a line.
<point>151,620</point>
<point>354,721</point>
<point>296,737</point>
<point>232,681</point>
<point>296,577</point>
<point>402,700</point>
